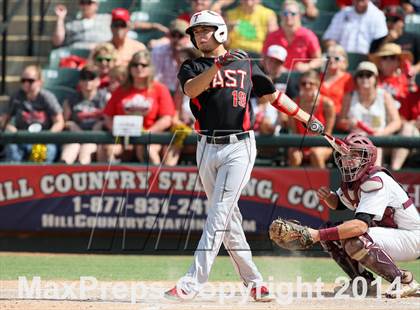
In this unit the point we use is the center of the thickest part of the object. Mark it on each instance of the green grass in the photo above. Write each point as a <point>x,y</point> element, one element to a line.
<point>159,268</point>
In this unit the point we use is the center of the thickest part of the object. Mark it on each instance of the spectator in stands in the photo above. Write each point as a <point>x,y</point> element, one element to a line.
<point>408,41</point>
<point>391,62</point>
<point>382,4</point>
<point>125,46</point>
<point>166,57</point>
<point>337,81</point>
<point>248,24</point>
<point>273,65</point>
<point>32,108</point>
<point>201,5</point>
<point>84,32</point>
<point>141,95</point>
<point>302,45</point>
<point>369,108</point>
<point>82,112</point>
<point>323,111</point>
<point>410,115</point>
<point>103,57</point>
<point>355,27</point>
<point>117,77</point>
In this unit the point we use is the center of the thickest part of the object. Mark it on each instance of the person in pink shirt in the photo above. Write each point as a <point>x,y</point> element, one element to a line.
<point>302,45</point>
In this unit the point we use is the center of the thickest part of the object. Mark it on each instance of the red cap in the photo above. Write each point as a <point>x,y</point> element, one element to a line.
<point>120,14</point>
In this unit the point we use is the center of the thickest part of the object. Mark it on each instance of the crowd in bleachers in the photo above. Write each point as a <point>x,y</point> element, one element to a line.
<point>358,52</point>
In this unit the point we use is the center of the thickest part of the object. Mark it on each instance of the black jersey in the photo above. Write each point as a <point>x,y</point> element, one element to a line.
<point>224,108</point>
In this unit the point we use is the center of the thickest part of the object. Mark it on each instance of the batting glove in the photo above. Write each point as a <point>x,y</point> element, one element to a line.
<point>229,57</point>
<point>315,126</point>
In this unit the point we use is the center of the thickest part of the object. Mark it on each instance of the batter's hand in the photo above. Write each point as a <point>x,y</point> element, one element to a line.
<point>229,57</point>
<point>315,126</point>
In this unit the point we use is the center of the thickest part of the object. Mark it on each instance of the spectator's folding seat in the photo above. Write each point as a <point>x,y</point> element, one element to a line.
<point>355,59</point>
<point>61,76</point>
<point>412,23</point>
<point>320,24</point>
<point>273,4</point>
<point>327,5</point>
<point>61,92</point>
<point>106,6</point>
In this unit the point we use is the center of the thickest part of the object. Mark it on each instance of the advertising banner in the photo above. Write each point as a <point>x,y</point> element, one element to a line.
<point>134,198</point>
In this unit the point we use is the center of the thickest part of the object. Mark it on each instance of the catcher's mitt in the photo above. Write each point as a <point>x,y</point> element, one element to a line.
<point>290,235</point>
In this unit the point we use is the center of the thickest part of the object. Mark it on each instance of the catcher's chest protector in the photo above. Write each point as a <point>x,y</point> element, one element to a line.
<point>351,195</point>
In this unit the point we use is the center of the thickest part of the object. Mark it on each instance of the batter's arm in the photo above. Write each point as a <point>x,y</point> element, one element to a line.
<point>282,102</point>
<point>195,86</point>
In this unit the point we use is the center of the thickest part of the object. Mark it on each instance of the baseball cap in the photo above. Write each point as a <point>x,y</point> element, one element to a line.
<point>120,14</point>
<point>367,66</point>
<point>277,52</point>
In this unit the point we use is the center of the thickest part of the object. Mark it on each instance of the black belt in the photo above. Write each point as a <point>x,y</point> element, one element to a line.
<point>226,139</point>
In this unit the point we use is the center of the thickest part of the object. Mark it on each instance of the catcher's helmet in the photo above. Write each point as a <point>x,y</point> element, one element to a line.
<point>208,18</point>
<point>361,157</point>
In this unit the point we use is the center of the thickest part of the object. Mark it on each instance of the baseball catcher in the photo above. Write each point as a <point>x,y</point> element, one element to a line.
<point>385,227</point>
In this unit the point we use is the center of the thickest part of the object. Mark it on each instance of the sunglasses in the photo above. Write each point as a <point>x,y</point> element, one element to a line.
<point>335,58</point>
<point>137,64</point>
<point>176,34</point>
<point>390,57</point>
<point>367,75</point>
<point>307,83</point>
<point>119,24</point>
<point>86,2</point>
<point>289,13</point>
<point>393,19</point>
<point>27,80</point>
<point>104,58</point>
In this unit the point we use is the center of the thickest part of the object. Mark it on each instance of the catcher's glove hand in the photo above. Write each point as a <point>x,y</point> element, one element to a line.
<point>229,57</point>
<point>290,235</point>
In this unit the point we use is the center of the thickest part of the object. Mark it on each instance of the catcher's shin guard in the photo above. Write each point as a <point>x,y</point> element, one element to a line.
<point>350,266</point>
<point>370,255</point>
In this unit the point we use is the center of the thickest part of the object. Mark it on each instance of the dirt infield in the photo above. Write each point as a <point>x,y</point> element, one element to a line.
<point>149,296</point>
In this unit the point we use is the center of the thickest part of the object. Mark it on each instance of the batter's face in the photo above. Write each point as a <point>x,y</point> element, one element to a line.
<point>204,38</point>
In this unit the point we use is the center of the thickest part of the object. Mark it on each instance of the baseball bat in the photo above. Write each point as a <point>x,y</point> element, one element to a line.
<point>337,144</point>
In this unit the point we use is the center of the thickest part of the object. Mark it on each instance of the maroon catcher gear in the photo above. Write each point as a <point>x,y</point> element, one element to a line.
<point>357,162</point>
<point>350,266</point>
<point>370,255</point>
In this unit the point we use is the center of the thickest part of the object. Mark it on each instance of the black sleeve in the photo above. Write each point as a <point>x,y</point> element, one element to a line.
<point>262,84</point>
<point>364,217</point>
<point>416,48</point>
<point>341,205</point>
<point>186,72</point>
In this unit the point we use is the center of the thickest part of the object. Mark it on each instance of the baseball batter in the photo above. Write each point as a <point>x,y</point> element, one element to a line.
<point>219,85</point>
<point>386,225</point>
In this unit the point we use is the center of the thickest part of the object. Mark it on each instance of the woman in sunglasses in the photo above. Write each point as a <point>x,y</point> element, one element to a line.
<point>337,81</point>
<point>140,95</point>
<point>324,111</point>
<point>369,108</point>
<point>83,111</point>
<point>103,57</point>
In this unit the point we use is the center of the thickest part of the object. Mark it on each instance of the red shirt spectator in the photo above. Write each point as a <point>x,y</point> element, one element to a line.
<point>410,108</point>
<point>153,103</point>
<point>379,3</point>
<point>338,89</point>
<point>304,46</point>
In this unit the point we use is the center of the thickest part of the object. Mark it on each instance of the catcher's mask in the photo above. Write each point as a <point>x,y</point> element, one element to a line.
<point>361,157</point>
<point>208,18</point>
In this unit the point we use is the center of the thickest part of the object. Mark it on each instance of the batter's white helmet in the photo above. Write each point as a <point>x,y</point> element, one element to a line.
<point>208,18</point>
